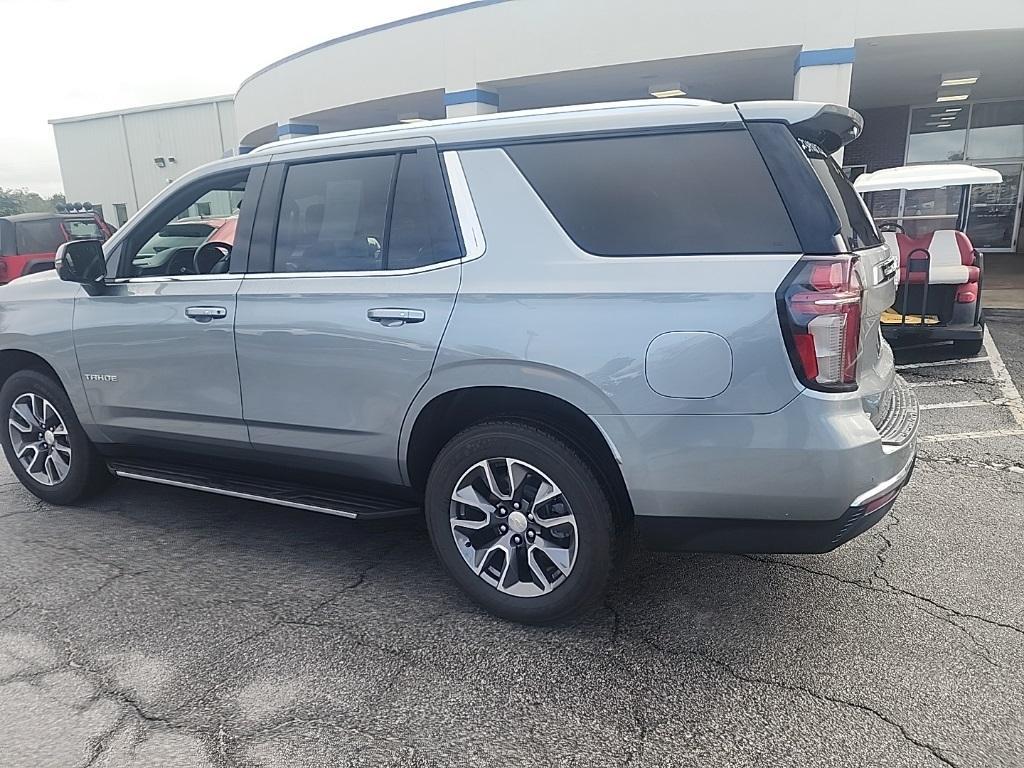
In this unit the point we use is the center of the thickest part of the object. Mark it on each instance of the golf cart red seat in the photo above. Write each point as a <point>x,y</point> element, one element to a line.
<point>953,260</point>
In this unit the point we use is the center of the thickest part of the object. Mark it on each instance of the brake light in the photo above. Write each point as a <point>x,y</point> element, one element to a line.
<point>820,306</point>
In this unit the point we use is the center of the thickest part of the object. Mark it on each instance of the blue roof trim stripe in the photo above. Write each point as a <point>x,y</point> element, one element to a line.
<point>372,30</point>
<point>297,129</point>
<point>472,96</point>
<point>824,56</point>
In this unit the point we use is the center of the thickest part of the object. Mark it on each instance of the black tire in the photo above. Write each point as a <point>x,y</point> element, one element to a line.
<point>88,472</point>
<point>596,550</point>
<point>968,348</point>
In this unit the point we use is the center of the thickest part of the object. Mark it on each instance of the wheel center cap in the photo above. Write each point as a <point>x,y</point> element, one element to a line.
<point>517,522</point>
<point>48,437</point>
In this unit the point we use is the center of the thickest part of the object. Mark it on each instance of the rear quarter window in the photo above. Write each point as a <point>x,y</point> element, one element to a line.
<point>660,195</point>
<point>855,224</point>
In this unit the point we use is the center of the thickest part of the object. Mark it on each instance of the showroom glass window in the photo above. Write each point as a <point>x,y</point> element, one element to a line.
<point>938,134</point>
<point>997,130</point>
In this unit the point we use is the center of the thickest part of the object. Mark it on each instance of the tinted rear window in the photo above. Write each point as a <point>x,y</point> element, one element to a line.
<point>670,194</point>
<point>856,226</point>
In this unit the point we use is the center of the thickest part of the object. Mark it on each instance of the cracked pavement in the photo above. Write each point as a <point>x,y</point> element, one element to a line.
<point>160,627</point>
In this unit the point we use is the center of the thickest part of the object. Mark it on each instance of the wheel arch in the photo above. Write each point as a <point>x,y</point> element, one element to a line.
<point>14,360</point>
<point>447,413</point>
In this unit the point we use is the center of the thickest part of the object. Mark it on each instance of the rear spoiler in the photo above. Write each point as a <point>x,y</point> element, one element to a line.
<point>830,126</point>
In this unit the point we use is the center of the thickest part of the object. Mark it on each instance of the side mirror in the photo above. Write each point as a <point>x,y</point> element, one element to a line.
<point>81,261</point>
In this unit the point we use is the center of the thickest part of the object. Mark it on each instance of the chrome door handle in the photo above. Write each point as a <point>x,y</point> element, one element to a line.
<point>206,314</point>
<point>390,316</point>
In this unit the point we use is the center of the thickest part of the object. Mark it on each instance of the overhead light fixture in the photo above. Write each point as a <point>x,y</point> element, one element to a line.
<point>952,109</point>
<point>666,90</point>
<point>949,117</point>
<point>411,117</point>
<point>953,97</point>
<point>948,82</point>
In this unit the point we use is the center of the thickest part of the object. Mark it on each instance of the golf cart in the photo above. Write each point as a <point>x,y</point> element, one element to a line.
<point>940,273</point>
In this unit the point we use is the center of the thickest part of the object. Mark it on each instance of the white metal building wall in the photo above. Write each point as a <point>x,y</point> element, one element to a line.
<point>109,159</point>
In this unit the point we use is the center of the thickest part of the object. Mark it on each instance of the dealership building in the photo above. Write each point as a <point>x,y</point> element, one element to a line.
<point>936,82</point>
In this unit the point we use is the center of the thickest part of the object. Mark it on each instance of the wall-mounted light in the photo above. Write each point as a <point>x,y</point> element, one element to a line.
<point>666,90</point>
<point>959,78</point>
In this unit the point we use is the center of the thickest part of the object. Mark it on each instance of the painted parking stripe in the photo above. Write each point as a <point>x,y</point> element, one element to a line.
<point>937,363</point>
<point>942,383</point>
<point>961,404</point>
<point>970,436</point>
<point>1003,381</point>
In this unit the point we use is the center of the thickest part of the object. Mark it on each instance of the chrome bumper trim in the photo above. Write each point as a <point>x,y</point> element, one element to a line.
<point>885,486</point>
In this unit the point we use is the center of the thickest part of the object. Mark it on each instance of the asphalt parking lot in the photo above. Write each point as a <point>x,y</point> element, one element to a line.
<point>158,627</point>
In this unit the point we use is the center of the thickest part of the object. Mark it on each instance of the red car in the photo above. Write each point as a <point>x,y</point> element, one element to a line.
<point>28,241</point>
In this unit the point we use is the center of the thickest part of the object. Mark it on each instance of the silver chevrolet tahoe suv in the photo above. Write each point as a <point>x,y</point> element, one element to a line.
<point>542,330</point>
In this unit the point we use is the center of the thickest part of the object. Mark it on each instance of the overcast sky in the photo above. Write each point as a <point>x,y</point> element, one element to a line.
<point>72,57</point>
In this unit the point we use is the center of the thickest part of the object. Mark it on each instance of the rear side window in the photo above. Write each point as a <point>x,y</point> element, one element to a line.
<point>856,226</point>
<point>356,215</point>
<point>333,215</point>
<point>670,194</point>
<point>43,236</point>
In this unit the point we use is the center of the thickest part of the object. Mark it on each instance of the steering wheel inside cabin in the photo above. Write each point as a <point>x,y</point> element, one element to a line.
<point>212,258</point>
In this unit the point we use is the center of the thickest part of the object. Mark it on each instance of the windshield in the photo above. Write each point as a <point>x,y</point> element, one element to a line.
<point>857,228</point>
<point>176,236</point>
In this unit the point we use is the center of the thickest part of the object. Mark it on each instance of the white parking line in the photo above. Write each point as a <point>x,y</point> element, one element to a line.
<point>970,435</point>
<point>937,363</point>
<point>961,404</point>
<point>938,383</point>
<point>1006,386</point>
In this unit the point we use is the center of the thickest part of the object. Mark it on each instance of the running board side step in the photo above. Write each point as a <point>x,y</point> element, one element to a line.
<point>353,505</point>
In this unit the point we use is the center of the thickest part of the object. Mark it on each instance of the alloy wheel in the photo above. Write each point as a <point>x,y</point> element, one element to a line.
<point>514,527</point>
<point>40,439</point>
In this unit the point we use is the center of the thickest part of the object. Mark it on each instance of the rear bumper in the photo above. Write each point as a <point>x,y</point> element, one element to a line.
<point>969,332</point>
<point>803,479</point>
<point>739,535</point>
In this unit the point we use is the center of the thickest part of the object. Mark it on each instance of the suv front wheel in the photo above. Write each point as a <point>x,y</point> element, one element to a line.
<point>44,442</point>
<point>521,522</point>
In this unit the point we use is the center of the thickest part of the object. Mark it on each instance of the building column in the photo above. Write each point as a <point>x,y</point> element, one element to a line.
<point>473,101</point>
<point>824,75</point>
<point>291,130</point>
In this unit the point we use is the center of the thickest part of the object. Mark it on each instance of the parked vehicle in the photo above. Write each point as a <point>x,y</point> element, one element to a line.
<point>540,329</point>
<point>941,272</point>
<point>28,241</point>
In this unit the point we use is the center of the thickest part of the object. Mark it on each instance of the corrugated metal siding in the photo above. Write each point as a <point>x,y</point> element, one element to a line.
<point>110,160</point>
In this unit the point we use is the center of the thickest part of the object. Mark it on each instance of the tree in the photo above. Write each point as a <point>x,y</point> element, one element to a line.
<point>22,201</point>
<point>9,202</point>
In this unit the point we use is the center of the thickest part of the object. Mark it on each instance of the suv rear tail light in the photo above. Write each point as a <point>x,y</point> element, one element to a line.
<point>820,310</point>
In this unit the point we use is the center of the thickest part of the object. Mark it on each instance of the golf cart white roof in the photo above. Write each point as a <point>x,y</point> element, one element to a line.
<point>925,177</point>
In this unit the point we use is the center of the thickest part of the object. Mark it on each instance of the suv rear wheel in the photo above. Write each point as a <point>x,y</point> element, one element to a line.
<point>44,442</point>
<point>521,522</point>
